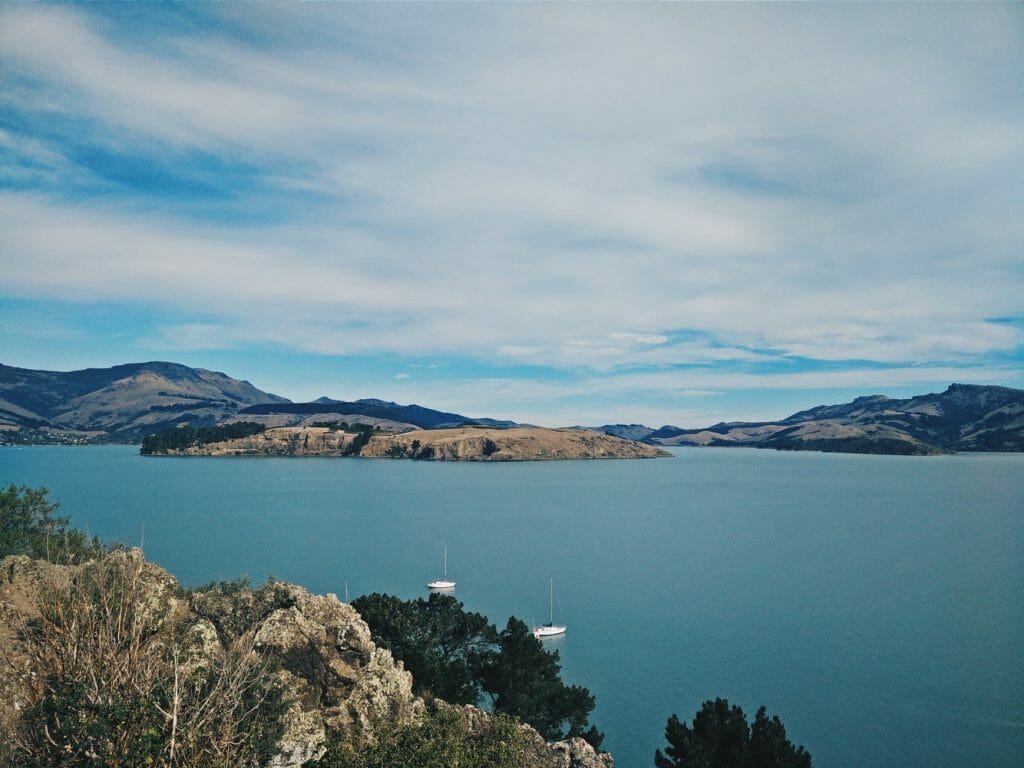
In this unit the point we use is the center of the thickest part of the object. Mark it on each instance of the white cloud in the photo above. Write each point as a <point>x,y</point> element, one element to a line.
<point>553,185</point>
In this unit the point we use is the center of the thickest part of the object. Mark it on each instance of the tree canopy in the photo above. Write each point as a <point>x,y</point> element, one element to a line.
<point>188,436</point>
<point>30,525</point>
<point>462,658</point>
<point>721,738</point>
<point>443,646</point>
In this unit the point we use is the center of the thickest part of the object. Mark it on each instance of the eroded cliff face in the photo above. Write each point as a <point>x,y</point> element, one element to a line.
<point>333,676</point>
<point>516,444</point>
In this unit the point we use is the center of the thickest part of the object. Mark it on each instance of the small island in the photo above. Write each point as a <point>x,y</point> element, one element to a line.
<point>467,443</point>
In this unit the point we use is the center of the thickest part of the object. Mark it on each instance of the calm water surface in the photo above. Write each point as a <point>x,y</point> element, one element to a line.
<point>876,604</point>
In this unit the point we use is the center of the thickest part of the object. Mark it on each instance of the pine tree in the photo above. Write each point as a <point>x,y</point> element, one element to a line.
<point>721,738</point>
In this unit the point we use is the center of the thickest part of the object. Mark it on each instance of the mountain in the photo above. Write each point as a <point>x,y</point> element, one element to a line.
<point>963,418</point>
<point>636,432</point>
<point>121,403</point>
<point>326,409</point>
<point>127,402</point>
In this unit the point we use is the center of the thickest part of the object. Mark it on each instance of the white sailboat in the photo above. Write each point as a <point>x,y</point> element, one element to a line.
<point>550,629</point>
<point>442,583</point>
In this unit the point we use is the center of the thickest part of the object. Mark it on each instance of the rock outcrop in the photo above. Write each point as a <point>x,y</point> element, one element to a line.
<point>517,444</point>
<point>333,676</point>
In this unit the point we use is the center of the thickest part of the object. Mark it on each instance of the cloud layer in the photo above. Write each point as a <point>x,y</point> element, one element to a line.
<point>704,193</point>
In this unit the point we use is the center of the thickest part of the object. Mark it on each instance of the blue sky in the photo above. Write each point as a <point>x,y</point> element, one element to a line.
<point>556,213</point>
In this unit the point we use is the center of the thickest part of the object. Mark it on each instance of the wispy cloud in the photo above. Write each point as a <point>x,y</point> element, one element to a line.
<point>606,191</point>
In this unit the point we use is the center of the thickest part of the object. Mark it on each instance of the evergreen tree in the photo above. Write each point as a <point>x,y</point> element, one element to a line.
<point>459,656</point>
<point>524,680</point>
<point>769,747</point>
<point>443,646</point>
<point>721,738</point>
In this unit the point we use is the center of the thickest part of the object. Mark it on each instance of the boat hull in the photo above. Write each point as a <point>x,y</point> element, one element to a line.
<point>548,630</point>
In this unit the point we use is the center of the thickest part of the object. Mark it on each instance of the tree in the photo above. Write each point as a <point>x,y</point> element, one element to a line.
<point>187,436</point>
<point>443,646</point>
<point>29,525</point>
<point>769,747</point>
<point>721,738</point>
<point>363,434</point>
<point>459,656</point>
<point>523,679</point>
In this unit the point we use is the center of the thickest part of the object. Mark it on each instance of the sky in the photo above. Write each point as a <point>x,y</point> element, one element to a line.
<point>553,213</point>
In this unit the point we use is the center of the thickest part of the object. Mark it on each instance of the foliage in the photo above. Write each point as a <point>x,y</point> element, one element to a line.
<point>30,526</point>
<point>442,740</point>
<point>223,586</point>
<point>443,646</point>
<point>721,738</point>
<point>363,434</point>
<point>524,680</point>
<point>120,681</point>
<point>232,607</point>
<point>187,436</point>
<point>460,657</point>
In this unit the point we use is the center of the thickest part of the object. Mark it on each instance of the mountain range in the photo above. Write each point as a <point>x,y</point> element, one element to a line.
<point>127,402</point>
<point>963,418</point>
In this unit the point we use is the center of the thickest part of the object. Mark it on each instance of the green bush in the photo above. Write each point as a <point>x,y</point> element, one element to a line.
<point>117,681</point>
<point>442,740</point>
<point>29,525</point>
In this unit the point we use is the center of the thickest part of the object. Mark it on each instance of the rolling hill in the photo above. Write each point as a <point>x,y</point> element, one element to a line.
<point>963,418</point>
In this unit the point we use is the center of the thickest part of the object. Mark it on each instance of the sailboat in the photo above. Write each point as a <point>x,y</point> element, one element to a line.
<point>550,629</point>
<point>442,583</point>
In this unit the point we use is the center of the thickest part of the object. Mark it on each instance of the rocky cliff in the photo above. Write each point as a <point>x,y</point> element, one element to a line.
<point>332,675</point>
<point>518,444</point>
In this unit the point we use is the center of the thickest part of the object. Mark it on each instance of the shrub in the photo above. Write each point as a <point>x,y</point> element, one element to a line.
<point>442,740</point>
<point>29,525</point>
<point>115,678</point>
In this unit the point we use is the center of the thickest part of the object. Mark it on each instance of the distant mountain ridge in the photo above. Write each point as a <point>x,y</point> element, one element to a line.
<point>417,415</point>
<point>963,418</point>
<point>125,403</point>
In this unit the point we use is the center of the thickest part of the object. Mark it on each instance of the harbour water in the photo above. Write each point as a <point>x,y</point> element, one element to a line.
<point>876,604</point>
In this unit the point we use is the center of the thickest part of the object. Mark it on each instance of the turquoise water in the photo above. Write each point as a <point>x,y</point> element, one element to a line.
<point>876,604</point>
